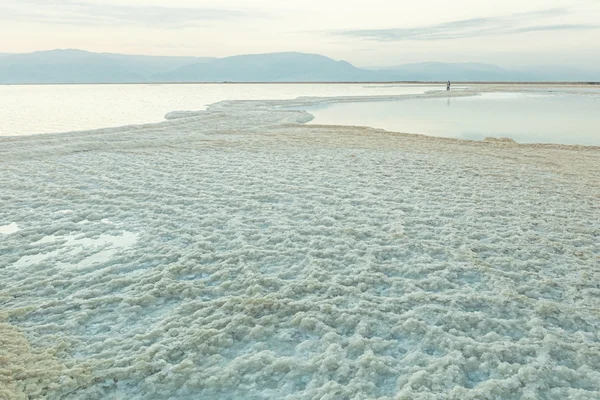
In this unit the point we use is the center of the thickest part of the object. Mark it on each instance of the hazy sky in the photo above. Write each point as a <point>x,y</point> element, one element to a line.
<point>366,33</point>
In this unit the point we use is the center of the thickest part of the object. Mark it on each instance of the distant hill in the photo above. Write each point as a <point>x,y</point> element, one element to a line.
<point>473,72</point>
<point>557,73</point>
<point>77,66</point>
<point>274,67</point>
<point>436,71</point>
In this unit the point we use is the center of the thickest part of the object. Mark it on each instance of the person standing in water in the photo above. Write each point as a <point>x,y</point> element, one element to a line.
<point>448,86</point>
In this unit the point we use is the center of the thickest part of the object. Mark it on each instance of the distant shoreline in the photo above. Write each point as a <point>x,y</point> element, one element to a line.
<point>316,83</point>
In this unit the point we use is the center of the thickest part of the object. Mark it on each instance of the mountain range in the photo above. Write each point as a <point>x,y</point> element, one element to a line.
<point>77,66</point>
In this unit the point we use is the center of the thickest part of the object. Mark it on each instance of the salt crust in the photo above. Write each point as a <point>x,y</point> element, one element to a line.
<point>235,253</point>
<point>9,228</point>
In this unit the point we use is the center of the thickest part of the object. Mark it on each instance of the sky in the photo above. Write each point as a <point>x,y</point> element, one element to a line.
<point>511,33</point>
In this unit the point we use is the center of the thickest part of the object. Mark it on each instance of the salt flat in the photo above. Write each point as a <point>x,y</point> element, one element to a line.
<point>238,254</point>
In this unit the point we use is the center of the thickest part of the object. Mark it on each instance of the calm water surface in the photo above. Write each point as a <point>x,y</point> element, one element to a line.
<point>32,109</point>
<point>526,118</point>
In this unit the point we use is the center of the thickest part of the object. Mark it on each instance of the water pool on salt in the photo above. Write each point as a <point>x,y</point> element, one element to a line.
<point>538,117</point>
<point>236,254</point>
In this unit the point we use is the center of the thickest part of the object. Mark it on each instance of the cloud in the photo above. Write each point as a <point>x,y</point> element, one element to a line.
<point>510,24</point>
<point>82,13</point>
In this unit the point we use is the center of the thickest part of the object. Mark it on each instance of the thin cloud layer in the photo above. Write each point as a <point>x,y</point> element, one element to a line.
<point>81,13</point>
<point>476,27</point>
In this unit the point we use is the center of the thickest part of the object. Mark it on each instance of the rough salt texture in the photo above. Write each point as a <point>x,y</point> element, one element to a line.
<point>236,254</point>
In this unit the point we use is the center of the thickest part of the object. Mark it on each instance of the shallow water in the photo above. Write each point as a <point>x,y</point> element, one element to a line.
<point>525,117</point>
<point>33,109</point>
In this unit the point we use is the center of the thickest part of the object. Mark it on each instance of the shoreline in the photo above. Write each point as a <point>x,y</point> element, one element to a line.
<point>252,116</point>
<point>551,83</point>
<point>278,105</point>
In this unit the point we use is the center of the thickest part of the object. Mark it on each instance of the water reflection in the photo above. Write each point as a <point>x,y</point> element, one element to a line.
<point>30,109</point>
<point>526,118</point>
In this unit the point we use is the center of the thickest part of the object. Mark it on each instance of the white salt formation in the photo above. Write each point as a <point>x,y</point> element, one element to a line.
<point>237,254</point>
<point>8,229</point>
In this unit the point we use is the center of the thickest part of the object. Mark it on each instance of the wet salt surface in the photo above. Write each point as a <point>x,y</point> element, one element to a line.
<point>104,247</point>
<point>238,254</point>
<point>8,229</point>
<point>537,117</point>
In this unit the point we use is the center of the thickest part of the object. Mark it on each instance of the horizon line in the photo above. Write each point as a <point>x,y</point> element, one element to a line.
<point>369,67</point>
<point>412,82</point>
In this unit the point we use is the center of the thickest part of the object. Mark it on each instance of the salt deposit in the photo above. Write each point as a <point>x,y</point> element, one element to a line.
<point>239,254</point>
<point>8,229</point>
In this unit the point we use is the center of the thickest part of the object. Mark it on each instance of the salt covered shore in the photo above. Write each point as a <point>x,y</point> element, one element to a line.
<point>236,253</point>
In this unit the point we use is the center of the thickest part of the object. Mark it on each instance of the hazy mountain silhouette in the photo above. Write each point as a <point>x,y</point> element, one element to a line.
<point>77,66</point>
<point>473,72</point>
<point>274,67</point>
<point>435,71</point>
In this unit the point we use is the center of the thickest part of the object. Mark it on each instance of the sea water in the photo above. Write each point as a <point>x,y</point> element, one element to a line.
<point>33,109</point>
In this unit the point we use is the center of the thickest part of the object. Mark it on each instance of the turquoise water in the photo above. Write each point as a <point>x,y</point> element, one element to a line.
<point>524,117</point>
